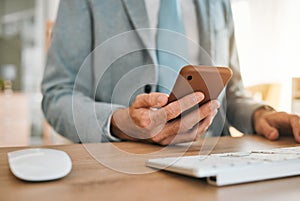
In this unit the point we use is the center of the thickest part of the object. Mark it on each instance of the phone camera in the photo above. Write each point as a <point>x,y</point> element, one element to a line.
<point>189,77</point>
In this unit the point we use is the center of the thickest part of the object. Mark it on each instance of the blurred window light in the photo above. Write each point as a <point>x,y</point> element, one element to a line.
<point>267,35</point>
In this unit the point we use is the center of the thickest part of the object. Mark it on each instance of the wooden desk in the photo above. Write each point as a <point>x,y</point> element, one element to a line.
<point>89,180</point>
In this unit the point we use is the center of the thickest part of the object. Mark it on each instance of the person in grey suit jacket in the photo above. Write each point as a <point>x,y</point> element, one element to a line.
<point>101,77</point>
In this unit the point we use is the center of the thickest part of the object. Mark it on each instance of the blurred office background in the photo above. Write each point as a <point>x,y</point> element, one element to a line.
<point>268,38</point>
<point>23,27</point>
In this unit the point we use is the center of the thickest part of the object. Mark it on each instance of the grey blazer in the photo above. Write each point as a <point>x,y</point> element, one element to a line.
<point>102,56</point>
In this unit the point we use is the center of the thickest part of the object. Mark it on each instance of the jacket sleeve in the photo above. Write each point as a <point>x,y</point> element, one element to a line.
<point>240,107</point>
<point>67,86</point>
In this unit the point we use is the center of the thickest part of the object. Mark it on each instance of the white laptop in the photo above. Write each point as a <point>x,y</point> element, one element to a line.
<point>237,167</point>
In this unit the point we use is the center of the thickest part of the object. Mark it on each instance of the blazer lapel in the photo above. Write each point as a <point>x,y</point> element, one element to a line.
<point>137,13</point>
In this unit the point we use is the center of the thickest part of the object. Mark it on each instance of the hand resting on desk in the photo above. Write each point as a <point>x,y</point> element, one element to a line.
<point>148,119</point>
<point>272,124</point>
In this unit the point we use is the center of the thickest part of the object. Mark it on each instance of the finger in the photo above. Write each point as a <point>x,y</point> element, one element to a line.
<point>204,125</point>
<point>295,124</point>
<point>140,112</point>
<point>265,129</point>
<point>191,134</point>
<point>141,117</point>
<point>188,121</point>
<point>169,132</point>
<point>180,138</point>
<point>175,108</point>
<point>193,118</point>
<point>150,100</point>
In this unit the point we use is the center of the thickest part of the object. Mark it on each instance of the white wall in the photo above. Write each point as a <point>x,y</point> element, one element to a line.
<point>268,38</point>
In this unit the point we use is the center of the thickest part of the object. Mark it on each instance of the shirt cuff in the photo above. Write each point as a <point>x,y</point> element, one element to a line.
<point>107,132</point>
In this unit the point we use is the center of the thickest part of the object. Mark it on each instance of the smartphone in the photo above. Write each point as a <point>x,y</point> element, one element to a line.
<point>210,80</point>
